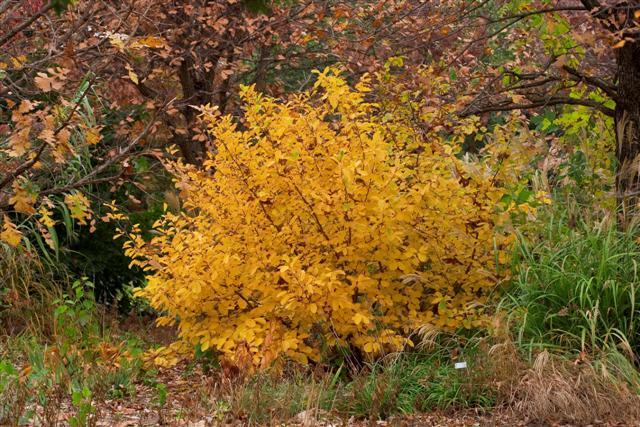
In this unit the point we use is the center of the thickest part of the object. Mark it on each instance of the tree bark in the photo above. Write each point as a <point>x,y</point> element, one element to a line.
<point>197,89</point>
<point>627,123</point>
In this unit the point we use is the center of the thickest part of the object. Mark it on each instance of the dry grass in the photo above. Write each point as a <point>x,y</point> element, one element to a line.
<point>554,389</point>
<point>27,290</point>
<point>560,390</point>
<point>550,391</point>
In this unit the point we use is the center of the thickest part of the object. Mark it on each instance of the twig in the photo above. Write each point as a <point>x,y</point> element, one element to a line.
<point>28,164</point>
<point>39,14</point>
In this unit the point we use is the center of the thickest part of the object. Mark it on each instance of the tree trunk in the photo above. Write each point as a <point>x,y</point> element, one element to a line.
<point>627,122</point>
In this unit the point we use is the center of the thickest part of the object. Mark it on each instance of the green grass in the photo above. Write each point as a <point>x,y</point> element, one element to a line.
<point>576,287</point>
<point>400,384</point>
<point>418,382</point>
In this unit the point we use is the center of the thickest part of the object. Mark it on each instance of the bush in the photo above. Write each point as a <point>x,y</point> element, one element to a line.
<point>321,223</point>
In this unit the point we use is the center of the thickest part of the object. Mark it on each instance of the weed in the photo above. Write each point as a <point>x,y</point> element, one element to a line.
<point>79,362</point>
<point>85,410</point>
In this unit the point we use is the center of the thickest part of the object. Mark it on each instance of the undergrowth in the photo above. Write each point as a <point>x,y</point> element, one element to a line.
<point>563,347</point>
<point>400,384</point>
<point>576,287</point>
<point>56,347</point>
<point>27,289</point>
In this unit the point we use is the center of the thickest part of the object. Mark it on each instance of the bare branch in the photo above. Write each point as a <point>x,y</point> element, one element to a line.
<point>606,87</point>
<point>39,14</point>
<point>538,103</point>
<point>124,152</point>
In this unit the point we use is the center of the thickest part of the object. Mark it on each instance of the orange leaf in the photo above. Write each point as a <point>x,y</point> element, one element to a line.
<point>619,44</point>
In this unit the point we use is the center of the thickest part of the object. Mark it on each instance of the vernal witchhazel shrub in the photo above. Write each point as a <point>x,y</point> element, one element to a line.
<point>319,224</point>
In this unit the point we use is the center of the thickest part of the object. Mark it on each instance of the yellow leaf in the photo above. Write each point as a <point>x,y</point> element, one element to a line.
<point>371,347</point>
<point>132,75</point>
<point>18,61</point>
<point>151,41</point>
<point>92,135</point>
<point>360,318</point>
<point>117,41</point>
<point>79,207</point>
<point>10,233</point>
<point>23,199</point>
<point>46,216</point>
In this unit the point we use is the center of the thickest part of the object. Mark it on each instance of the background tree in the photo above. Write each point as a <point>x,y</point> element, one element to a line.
<point>90,87</point>
<point>533,55</point>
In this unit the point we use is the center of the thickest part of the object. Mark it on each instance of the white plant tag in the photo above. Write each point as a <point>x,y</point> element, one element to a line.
<point>461,365</point>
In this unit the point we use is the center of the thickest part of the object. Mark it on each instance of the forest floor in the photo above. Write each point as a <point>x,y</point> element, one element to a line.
<point>199,394</point>
<point>183,409</point>
<point>189,394</point>
<point>188,404</point>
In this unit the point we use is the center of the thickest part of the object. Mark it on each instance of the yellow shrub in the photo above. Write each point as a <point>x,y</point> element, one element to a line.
<point>320,224</point>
